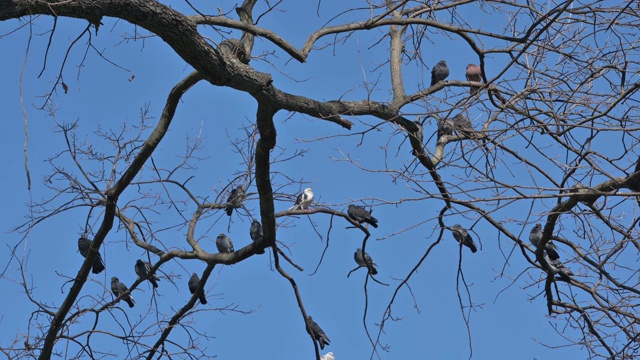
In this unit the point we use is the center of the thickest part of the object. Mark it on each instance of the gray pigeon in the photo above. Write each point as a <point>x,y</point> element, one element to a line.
<point>256,235</point>
<point>318,334</point>
<point>463,237</point>
<point>83,247</point>
<point>462,125</point>
<point>445,127</point>
<point>224,244</point>
<point>420,133</point>
<point>474,73</point>
<point>536,235</point>
<point>439,72</point>
<point>366,262</point>
<point>360,215</point>
<point>119,288</point>
<point>143,270</point>
<point>194,282</point>
<point>558,268</point>
<point>235,200</point>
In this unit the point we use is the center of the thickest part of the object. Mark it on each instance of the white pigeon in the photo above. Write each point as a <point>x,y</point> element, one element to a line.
<point>328,356</point>
<point>304,200</point>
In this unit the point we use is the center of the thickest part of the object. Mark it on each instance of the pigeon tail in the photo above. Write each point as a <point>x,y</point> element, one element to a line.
<point>323,343</point>
<point>372,270</point>
<point>129,301</point>
<point>203,299</point>
<point>98,265</point>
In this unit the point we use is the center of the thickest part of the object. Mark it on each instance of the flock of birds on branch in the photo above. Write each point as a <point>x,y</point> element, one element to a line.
<point>459,123</point>
<point>356,213</point>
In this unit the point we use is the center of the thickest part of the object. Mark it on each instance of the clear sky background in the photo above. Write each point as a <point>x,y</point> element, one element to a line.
<point>508,321</point>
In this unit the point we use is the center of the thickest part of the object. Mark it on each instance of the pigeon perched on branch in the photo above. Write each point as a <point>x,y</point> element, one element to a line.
<point>463,237</point>
<point>536,235</point>
<point>303,201</point>
<point>256,235</point>
<point>474,73</point>
<point>317,333</point>
<point>365,261</point>
<point>194,282</point>
<point>234,200</point>
<point>360,215</point>
<point>224,244</point>
<point>143,270</point>
<point>83,247</point>
<point>439,72</point>
<point>119,288</point>
<point>462,125</point>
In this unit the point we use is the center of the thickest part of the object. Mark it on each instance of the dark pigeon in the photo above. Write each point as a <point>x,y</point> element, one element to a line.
<point>366,262</point>
<point>235,200</point>
<point>462,125</point>
<point>256,235</point>
<point>194,282</point>
<point>445,127</point>
<point>558,268</point>
<point>143,270</point>
<point>463,237</point>
<point>474,73</point>
<point>536,235</point>
<point>360,215</point>
<point>224,244</point>
<point>304,200</point>
<point>439,72</point>
<point>119,288</point>
<point>318,334</point>
<point>83,247</point>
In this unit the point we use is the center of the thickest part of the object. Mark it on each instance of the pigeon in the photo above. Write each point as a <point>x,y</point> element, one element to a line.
<point>235,200</point>
<point>194,282</point>
<point>536,235</point>
<point>83,247</point>
<point>420,133</point>
<point>256,235</point>
<point>558,268</point>
<point>445,127</point>
<point>439,72</point>
<point>462,125</point>
<point>463,237</point>
<point>317,333</point>
<point>365,262</point>
<point>224,244</point>
<point>119,288</point>
<point>303,201</point>
<point>474,73</point>
<point>360,215</point>
<point>143,270</point>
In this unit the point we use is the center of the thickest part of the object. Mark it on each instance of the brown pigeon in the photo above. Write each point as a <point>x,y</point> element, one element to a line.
<point>474,73</point>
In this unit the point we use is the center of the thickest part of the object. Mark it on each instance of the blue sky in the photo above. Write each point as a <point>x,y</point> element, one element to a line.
<point>508,321</point>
